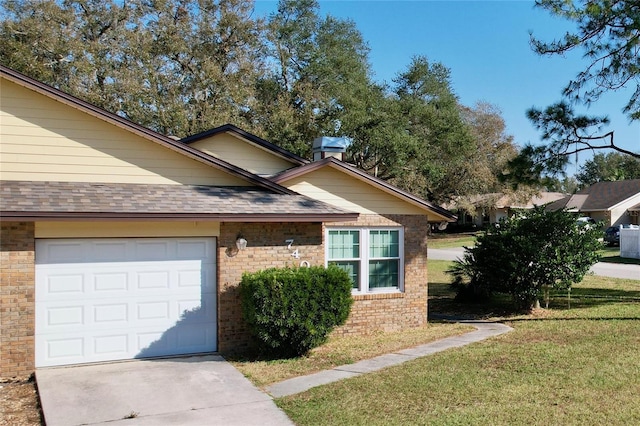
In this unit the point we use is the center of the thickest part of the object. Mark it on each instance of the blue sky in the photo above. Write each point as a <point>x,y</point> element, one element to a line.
<point>485,44</point>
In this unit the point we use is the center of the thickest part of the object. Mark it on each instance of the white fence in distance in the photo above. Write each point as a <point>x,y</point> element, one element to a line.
<point>630,243</point>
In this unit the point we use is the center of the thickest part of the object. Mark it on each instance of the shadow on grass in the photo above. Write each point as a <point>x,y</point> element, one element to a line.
<point>612,255</point>
<point>601,293</point>
<point>620,260</point>
<point>575,319</point>
<point>254,355</point>
<point>442,303</point>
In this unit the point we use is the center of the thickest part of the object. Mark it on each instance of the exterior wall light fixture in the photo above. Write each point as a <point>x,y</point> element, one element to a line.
<point>241,244</point>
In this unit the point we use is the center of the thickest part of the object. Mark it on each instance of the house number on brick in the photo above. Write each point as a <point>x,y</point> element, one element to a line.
<point>296,253</point>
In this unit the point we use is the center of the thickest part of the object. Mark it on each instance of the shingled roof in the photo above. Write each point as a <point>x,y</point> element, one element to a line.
<point>123,123</point>
<point>28,200</point>
<point>600,196</point>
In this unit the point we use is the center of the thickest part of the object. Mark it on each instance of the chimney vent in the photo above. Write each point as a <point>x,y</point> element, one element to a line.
<point>330,147</point>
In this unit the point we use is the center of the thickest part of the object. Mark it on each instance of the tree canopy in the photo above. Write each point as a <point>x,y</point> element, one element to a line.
<point>608,32</point>
<point>184,66</point>
<point>611,166</point>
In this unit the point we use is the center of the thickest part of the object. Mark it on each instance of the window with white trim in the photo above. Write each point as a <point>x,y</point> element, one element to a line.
<point>373,257</point>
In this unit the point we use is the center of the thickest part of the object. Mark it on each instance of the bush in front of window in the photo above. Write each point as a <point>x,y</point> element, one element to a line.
<point>292,310</point>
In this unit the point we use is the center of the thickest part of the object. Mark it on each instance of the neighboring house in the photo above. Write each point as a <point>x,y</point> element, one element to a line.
<point>485,209</point>
<point>613,203</point>
<point>118,242</point>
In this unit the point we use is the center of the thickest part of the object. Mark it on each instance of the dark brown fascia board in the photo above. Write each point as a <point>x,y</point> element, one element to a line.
<point>137,129</point>
<point>385,186</point>
<point>174,217</point>
<point>230,128</point>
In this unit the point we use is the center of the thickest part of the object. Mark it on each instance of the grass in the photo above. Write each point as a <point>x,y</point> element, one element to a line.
<point>577,366</point>
<point>444,241</point>
<point>341,350</point>
<point>612,255</point>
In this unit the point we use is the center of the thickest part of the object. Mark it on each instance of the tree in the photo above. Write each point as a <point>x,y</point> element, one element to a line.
<point>317,82</point>
<point>612,166</point>
<point>566,185</point>
<point>440,140</point>
<point>176,66</point>
<point>493,149</point>
<point>184,66</point>
<point>609,33</point>
<point>526,256</point>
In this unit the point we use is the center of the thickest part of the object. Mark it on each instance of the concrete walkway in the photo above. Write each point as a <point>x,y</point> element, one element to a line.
<point>198,390</point>
<point>484,330</point>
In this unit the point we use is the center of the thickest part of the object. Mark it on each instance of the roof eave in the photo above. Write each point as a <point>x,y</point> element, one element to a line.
<point>625,201</point>
<point>176,217</point>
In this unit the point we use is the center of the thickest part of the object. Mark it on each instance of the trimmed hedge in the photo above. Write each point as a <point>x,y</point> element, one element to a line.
<point>293,310</point>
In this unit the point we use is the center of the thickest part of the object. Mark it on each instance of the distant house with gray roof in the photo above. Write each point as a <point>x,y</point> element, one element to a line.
<point>613,203</point>
<point>485,209</point>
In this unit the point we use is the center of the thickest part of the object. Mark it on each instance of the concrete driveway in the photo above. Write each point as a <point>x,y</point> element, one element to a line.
<point>197,390</point>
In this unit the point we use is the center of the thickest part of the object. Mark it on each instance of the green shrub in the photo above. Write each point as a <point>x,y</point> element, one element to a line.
<point>292,310</point>
<point>526,256</point>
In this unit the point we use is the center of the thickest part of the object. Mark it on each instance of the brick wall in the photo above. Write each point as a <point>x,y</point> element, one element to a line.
<point>17,299</point>
<point>266,248</point>
<point>395,311</point>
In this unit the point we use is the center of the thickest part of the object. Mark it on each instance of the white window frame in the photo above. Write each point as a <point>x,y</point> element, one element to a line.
<point>363,285</point>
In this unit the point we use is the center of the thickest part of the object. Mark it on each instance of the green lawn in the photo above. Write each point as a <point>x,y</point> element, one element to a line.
<point>612,255</point>
<point>439,241</point>
<point>341,350</point>
<point>569,366</point>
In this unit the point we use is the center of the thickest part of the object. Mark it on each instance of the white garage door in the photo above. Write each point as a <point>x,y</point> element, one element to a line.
<point>111,299</point>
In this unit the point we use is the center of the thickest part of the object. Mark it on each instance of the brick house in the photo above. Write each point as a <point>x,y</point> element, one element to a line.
<point>613,203</point>
<point>118,242</point>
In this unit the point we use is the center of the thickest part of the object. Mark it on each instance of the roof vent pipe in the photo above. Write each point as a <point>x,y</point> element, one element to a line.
<point>330,147</point>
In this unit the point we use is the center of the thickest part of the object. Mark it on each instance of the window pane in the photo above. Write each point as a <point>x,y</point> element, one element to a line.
<point>352,268</point>
<point>344,244</point>
<point>384,243</point>
<point>383,273</point>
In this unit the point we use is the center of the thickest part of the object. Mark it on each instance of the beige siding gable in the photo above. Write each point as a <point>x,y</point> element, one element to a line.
<point>45,140</point>
<point>342,190</point>
<point>243,154</point>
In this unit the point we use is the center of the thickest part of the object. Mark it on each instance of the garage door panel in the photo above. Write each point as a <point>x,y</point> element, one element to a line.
<point>61,252</point>
<point>99,311</point>
<point>111,344</point>
<point>101,280</point>
<point>65,283</point>
<point>111,251</point>
<point>108,283</point>
<point>61,351</point>
<point>111,314</point>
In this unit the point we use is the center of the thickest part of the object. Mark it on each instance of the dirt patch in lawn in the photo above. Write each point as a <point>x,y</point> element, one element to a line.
<point>19,404</point>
